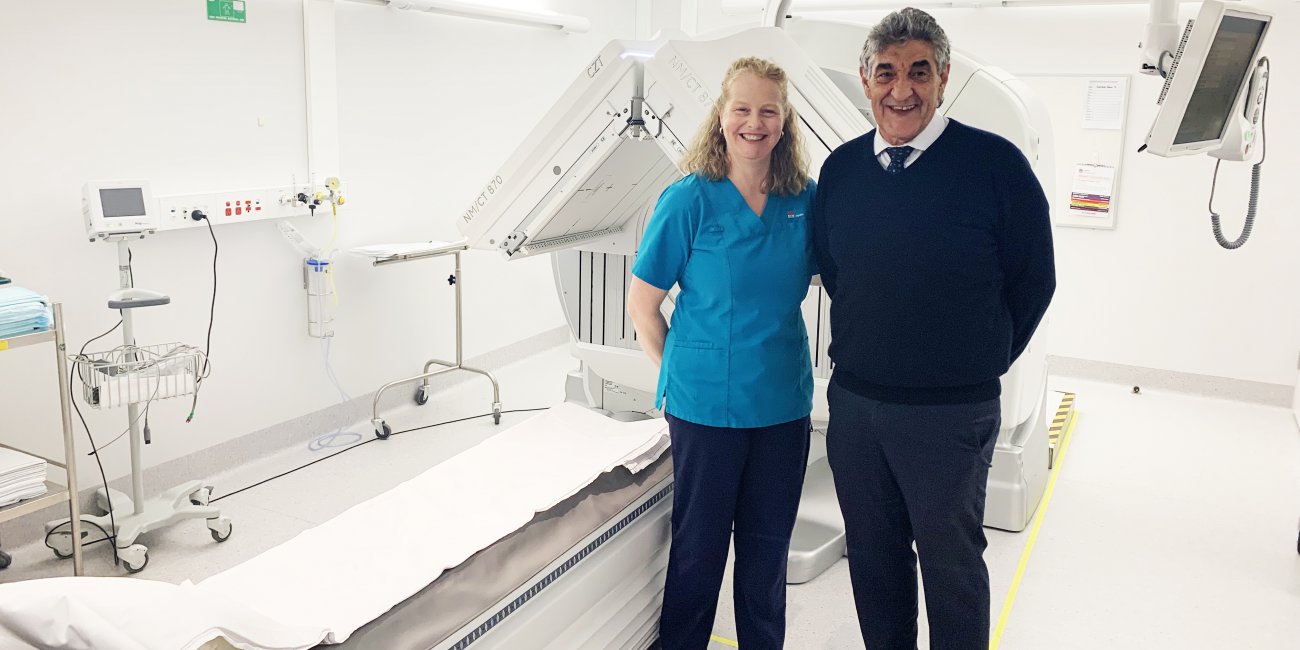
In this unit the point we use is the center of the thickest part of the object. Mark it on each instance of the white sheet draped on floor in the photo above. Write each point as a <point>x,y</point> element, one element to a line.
<point>334,578</point>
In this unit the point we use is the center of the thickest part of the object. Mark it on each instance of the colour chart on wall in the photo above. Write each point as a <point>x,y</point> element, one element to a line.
<point>1088,121</point>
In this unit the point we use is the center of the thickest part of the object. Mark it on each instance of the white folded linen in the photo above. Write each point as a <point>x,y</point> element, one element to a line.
<point>12,460</point>
<point>22,476</point>
<point>12,496</point>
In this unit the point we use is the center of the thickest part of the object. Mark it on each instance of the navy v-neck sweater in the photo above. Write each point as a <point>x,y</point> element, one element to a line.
<point>939,274</point>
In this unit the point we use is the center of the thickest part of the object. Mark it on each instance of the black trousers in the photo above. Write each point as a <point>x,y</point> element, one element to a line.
<point>904,474</point>
<point>749,480</point>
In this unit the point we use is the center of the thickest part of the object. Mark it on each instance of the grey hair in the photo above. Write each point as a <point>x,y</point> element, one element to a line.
<point>909,24</point>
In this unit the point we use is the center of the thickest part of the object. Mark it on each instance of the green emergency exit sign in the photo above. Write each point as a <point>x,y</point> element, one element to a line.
<point>230,11</point>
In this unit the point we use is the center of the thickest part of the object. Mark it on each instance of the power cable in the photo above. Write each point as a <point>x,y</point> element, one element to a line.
<point>360,444</point>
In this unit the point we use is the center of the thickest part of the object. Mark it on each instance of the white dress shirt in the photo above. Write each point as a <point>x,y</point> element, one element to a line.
<point>920,143</point>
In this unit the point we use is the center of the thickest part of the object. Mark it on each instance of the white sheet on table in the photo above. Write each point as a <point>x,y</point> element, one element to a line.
<point>330,580</point>
<point>350,570</point>
<point>121,613</point>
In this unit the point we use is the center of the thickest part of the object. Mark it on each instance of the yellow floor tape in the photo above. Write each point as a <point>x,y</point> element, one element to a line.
<point>724,641</point>
<point>1033,534</point>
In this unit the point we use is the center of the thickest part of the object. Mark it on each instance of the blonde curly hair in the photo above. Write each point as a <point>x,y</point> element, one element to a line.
<point>708,152</point>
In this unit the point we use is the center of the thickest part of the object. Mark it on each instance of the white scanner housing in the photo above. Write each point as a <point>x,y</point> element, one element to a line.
<point>583,184</point>
<point>601,156</point>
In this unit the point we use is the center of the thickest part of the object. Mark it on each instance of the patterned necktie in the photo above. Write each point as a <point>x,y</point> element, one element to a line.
<point>897,156</point>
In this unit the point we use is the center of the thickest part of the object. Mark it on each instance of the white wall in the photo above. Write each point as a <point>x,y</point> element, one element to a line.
<point>1295,404</point>
<point>1156,292</point>
<point>429,108</point>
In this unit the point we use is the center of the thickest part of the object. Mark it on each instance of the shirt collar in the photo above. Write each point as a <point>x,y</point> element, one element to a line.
<point>922,141</point>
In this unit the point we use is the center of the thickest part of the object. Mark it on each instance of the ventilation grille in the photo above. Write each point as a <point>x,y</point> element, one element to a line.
<point>538,246</point>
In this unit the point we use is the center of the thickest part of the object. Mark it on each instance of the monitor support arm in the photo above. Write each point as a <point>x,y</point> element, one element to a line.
<point>1161,39</point>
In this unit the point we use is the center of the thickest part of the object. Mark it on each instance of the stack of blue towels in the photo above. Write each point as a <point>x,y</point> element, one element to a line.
<point>22,311</point>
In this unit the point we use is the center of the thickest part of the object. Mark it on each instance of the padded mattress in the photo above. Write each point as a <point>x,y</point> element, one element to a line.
<point>438,615</point>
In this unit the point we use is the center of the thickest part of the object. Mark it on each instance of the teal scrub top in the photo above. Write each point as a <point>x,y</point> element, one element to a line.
<point>737,352</point>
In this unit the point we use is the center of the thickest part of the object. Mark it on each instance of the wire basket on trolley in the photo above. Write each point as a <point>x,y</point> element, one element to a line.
<point>132,374</point>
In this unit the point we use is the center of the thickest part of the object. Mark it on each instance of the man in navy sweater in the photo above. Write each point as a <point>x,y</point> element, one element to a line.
<point>935,245</point>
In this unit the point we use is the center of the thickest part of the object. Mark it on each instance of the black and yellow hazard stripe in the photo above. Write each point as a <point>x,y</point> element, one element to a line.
<point>1063,412</point>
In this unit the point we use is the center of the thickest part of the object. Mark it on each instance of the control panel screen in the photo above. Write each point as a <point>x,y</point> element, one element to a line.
<point>122,202</point>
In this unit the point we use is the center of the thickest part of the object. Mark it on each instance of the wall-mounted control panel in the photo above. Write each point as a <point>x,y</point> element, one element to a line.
<point>235,206</point>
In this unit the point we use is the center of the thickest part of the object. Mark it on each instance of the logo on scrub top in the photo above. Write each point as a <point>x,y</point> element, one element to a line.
<point>790,214</point>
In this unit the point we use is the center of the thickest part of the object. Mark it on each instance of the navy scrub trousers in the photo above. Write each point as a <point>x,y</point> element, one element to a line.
<point>919,473</point>
<point>752,477</point>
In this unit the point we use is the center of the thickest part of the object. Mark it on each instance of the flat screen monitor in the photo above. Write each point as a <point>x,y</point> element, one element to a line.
<point>114,208</point>
<point>1208,74</point>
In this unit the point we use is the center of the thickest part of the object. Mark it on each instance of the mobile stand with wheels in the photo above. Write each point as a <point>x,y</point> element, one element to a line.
<point>134,376</point>
<point>404,253</point>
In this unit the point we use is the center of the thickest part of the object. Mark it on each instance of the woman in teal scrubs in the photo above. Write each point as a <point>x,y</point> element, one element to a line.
<point>735,377</point>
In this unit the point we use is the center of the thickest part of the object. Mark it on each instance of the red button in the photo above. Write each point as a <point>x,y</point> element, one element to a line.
<point>227,203</point>
<point>239,210</point>
<point>227,211</point>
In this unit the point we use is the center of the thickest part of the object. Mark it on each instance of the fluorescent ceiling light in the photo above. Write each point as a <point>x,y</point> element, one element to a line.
<point>527,17</point>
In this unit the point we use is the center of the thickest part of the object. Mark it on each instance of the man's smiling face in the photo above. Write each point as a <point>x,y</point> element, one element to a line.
<point>905,88</point>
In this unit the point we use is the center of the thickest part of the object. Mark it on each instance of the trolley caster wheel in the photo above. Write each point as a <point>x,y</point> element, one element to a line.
<point>5,560</point>
<point>61,544</point>
<point>383,431</point>
<point>134,557</point>
<point>422,395</point>
<point>220,528</point>
<point>201,496</point>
